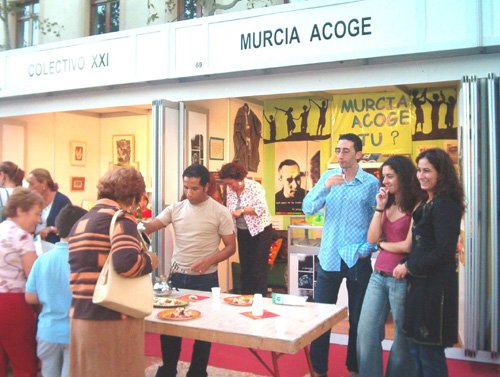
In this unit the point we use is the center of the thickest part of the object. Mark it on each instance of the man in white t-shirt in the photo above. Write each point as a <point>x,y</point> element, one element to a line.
<point>199,223</point>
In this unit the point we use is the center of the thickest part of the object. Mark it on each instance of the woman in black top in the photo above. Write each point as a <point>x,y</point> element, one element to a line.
<point>431,313</point>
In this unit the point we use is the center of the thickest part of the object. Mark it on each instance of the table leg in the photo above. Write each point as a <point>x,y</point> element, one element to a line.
<point>274,356</point>
<point>308,359</point>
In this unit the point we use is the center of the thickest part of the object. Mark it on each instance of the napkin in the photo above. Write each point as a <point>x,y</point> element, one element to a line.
<point>266,314</point>
<point>192,298</point>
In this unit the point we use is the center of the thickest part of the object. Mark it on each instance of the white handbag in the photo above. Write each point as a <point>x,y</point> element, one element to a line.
<point>130,296</point>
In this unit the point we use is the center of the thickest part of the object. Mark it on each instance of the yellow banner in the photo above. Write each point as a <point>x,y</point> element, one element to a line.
<point>383,120</point>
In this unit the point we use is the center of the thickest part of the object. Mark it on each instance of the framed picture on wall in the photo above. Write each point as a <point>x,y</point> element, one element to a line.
<point>197,126</point>
<point>216,148</point>
<point>112,166</point>
<point>123,150</point>
<point>77,184</point>
<point>77,153</point>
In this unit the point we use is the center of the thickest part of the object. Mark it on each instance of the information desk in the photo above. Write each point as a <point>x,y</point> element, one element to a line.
<point>291,330</point>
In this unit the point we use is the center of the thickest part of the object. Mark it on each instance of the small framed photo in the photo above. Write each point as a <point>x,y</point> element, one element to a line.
<point>196,133</point>
<point>112,166</point>
<point>216,148</point>
<point>77,184</point>
<point>123,150</point>
<point>77,153</point>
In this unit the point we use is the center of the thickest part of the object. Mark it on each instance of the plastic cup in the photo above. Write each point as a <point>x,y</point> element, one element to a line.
<point>257,305</point>
<point>216,293</point>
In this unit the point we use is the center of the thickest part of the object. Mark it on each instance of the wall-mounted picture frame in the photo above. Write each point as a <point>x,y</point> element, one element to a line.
<point>77,184</point>
<point>197,126</point>
<point>112,166</point>
<point>123,150</point>
<point>216,148</point>
<point>77,153</point>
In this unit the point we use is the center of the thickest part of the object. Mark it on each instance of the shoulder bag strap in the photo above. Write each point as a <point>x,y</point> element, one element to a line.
<point>113,222</point>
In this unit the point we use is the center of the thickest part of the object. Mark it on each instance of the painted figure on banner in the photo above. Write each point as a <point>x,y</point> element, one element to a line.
<point>272,126</point>
<point>247,135</point>
<point>290,120</point>
<point>418,101</point>
<point>440,119</point>
<point>449,118</point>
<point>303,116</point>
<point>322,115</point>
<point>283,126</point>
<point>289,198</point>
<point>436,104</point>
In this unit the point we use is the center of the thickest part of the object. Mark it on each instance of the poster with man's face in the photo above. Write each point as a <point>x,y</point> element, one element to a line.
<point>294,163</point>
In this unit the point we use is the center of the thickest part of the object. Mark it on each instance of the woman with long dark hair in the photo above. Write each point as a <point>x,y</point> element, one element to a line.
<point>11,176</point>
<point>389,229</point>
<point>431,310</point>
<point>246,200</point>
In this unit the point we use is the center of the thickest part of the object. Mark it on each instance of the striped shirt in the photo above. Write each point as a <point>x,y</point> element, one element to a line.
<point>89,247</point>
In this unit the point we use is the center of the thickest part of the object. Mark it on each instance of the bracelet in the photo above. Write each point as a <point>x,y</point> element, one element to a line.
<point>379,210</point>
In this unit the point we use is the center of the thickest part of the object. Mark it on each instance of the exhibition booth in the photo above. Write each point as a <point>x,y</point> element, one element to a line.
<point>163,97</point>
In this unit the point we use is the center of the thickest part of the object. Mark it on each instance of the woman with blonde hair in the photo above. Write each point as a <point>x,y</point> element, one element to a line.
<point>41,182</point>
<point>104,342</point>
<point>17,254</point>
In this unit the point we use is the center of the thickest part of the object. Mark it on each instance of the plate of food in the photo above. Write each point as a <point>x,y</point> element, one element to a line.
<point>166,302</point>
<point>243,300</point>
<point>178,314</point>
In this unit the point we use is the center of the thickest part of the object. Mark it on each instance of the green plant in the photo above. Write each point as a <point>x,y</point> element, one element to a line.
<point>17,7</point>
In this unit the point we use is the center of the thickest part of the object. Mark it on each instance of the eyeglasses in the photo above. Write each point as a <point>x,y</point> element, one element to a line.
<point>342,150</point>
<point>291,179</point>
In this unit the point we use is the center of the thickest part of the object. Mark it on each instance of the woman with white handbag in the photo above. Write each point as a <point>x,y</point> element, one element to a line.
<point>106,342</point>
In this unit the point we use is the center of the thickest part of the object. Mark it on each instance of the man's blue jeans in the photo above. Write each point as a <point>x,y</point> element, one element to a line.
<point>430,361</point>
<point>384,293</point>
<point>171,345</point>
<point>326,291</point>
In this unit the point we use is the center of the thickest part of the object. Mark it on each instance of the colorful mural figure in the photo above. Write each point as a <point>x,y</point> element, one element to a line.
<point>303,116</point>
<point>449,118</point>
<point>436,103</point>
<point>442,118</point>
<point>247,135</point>
<point>418,101</point>
<point>322,115</point>
<point>272,126</point>
<point>290,120</point>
